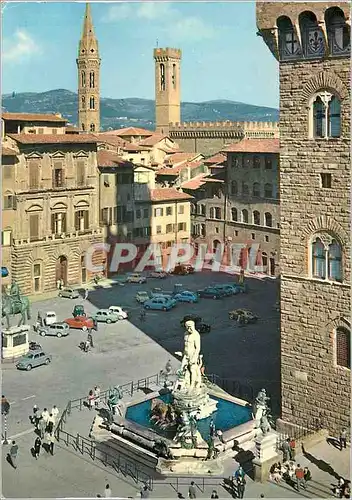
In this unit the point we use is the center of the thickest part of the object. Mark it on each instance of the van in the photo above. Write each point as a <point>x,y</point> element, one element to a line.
<point>69,293</point>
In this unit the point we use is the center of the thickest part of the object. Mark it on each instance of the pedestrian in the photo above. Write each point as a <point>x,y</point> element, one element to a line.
<point>35,416</point>
<point>95,324</point>
<point>42,427</point>
<point>90,338</point>
<point>285,448</point>
<point>13,454</point>
<point>192,490</point>
<point>45,415</point>
<point>50,424</point>
<point>307,474</point>
<point>212,429</point>
<point>107,491</point>
<point>58,284</point>
<point>145,491</point>
<point>239,473</point>
<point>62,284</point>
<point>214,494</point>
<point>292,450</point>
<point>97,395</point>
<point>90,399</point>
<point>241,485</point>
<point>37,447</point>
<point>299,473</point>
<point>51,441</point>
<point>55,413</point>
<point>86,292</point>
<point>343,439</point>
<point>219,434</point>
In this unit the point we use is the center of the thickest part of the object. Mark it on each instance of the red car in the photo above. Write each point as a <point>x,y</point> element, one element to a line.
<point>80,322</point>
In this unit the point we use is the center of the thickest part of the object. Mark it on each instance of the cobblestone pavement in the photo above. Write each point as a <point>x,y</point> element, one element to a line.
<point>131,350</point>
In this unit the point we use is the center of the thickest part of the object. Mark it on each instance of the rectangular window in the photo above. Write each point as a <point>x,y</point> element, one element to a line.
<point>40,131</point>
<point>343,347</point>
<point>58,223</point>
<point>80,171</point>
<point>168,210</point>
<point>145,213</point>
<point>33,175</point>
<point>138,214</point>
<point>37,277</point>
<point>81,220</point>
<point>169,228</point>
<point>58,178</point>
<point>253,236</point>
<point>106,181</point>
<point>236,233</point>
<point>9,202</point>
<point>267,238</point>
<point>33,227</point>
<point>325,180</point>
<point>105,216</point>
<point>182,226</point>
<point>7,169</point>
<point>54,131</point>
<point>181,209</point>
<point>158,212</point>
<point>6,238</point>
<point>158,229</point>
<point>268,163</point>
<point>256,162</point>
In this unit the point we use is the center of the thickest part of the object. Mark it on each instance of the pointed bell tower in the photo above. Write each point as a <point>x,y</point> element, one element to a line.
<point>88,67</point>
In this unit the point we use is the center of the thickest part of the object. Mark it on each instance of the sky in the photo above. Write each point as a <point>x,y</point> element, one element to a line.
<point>222,57</point>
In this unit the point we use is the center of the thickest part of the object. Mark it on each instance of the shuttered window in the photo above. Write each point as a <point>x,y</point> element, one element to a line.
<point>343,347</point>
<point>34,227</point>
<point>82,220</point>
<point>58,223</point>
<point>33,175</point>
<point>80,168</point>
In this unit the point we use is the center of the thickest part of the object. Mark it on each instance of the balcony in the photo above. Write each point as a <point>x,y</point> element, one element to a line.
<point>57,237</point>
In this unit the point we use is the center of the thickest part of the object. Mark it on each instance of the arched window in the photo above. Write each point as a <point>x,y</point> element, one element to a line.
<point>319,259</point>
<point>268,219</point>
<point>212,213</point>
<point>325,115</point>
<point>91,80</point>
<point>174,76</point>
<point>83,102</point>
<point>202,209</point>
<point>92,127</point>
<point>338,31</point>
<point>245,189</point>
<point>268,190</point>
<point>335,261</point>
<point>311,35</point>
<point>256,218</point>
<point>92,103</point>
<point>234,187</point>
<point>343,347</point>
<point>288,40</point>
<point>244,216</point>
<point>83,127</point>
<point>83,78</point>
<point>256,161</point>
<point>256,189</point>
<point>162,77</point>
<point>234,214</point>
<point>264,259</point>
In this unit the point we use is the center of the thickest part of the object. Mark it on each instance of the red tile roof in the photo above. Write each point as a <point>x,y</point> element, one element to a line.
<point>33,117</point>
<point>180,157</point>
<point>152,140</point>
<point>8,152</point>
<point>254,146</point>
<point>176,170</point>
<point>54,138</point>
<point>213,160</point>
<point>114,140</point>
<point>168,194</point>
<point>130,148</point>
<point>194,183</point>
<point>129,131</point>
<point>111,159</point>
<point>71,129</point>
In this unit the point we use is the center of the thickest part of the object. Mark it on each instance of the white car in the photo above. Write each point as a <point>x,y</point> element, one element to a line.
<point>50,318</point>
<point>136,278</point>
<point>120,313</point>
<point>157,274</point>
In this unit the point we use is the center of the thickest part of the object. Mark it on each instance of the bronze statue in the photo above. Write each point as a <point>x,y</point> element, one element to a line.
<point>14,303</point>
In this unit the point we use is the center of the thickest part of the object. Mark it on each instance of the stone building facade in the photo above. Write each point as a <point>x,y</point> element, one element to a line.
<point>88,68</point>
<point>312,43</point>
<point>50,209</point>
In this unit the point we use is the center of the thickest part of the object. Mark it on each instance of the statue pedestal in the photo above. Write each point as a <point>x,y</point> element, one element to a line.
<point>265,456</point>
<point>196,402</point>
<point>15,341</point>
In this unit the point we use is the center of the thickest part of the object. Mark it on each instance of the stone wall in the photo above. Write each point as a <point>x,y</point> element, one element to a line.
<point>312,384</point>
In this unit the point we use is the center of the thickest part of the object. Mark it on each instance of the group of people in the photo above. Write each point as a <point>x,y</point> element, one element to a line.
<point>45,423</point>
<point>94,397</point>
<point>343,488</point>
<point>239,482</point>
<point>291,473</point>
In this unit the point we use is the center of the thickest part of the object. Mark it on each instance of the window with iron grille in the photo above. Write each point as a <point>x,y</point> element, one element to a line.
<point>10,202</point>
<point>343,347</point>
<point>81,220</point>
<point>58,178</point>
<point>33,175</point>
<point>58,223</point>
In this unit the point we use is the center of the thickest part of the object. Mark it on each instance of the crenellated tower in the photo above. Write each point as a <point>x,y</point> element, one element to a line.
<point>88,66</point>
<point>311,41</point>
<point>167,88</point>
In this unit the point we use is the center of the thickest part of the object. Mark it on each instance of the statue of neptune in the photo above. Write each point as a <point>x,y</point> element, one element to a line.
<point>190,366</point>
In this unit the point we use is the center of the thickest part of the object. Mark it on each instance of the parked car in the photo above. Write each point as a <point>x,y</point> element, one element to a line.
<point>4,272</point>
<point>78,310</point>
<point>227,289</point>
<point>157,274</point>
<point>160,303</point>
<point>241,287</point>
<point>80,323</point>
<point>120,313</point>
<point>32,359</point>
<point>135,278</point>
<point>243,316</point>
<point>142,297</point>
<point>69,293</point>
<point>50,318</point>
<point>186,296</point>
<point>190,317</point>
<point>54,330</point>
<point>182,269</point>
<point>105,316</point>
<point>211,293</point>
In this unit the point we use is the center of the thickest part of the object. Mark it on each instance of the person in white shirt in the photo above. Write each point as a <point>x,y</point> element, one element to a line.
<point>45,415</point>
<point>55,413</point>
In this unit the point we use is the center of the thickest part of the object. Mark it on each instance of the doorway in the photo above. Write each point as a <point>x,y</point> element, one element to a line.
<point>272,266</point>
<point>61,269</point>
<point>83,270</point>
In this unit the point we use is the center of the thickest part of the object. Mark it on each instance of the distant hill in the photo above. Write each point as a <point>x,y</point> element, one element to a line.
<point>119,113</point>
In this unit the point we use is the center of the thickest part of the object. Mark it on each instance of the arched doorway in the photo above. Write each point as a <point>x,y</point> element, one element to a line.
<point>61,269</point>
<point>272,266</point>
<point>216,244</point>
<point>83,270</point>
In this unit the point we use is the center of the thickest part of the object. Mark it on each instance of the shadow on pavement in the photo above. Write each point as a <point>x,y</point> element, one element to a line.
<point>321,464</point>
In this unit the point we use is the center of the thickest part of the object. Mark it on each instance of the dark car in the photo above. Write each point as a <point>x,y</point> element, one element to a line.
<point>182,269</point>
<point>211,293</point>
<point>78,310</point>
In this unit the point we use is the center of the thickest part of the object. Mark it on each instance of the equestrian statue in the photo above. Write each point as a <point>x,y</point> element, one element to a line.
<point>13,302</point>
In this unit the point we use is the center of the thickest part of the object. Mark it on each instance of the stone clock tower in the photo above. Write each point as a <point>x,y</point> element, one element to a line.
<point>88,66</point>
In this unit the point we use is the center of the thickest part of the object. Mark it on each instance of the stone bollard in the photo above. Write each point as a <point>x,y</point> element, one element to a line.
<point>265,456</point>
